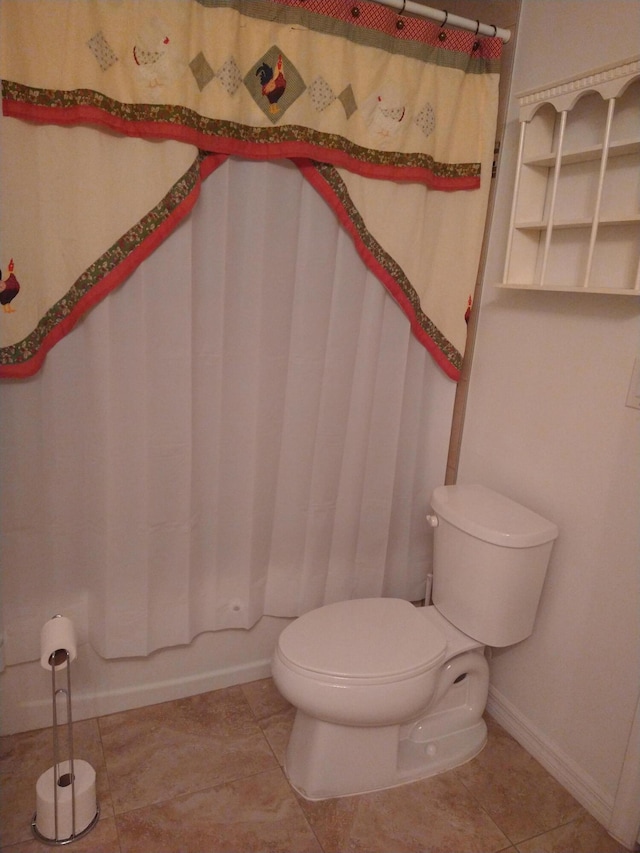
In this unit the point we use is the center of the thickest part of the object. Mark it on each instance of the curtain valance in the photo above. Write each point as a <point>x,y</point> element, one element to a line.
<point>137,101</point>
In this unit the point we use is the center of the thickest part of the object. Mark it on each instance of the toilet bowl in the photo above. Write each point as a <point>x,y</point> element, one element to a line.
<point>387,693</point>
<point>348,663</point>
<point>370,679</point>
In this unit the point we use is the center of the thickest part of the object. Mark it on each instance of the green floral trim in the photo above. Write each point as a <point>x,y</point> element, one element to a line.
<point>333,179</point>
<point>107,263</point>
<point>183,117</point>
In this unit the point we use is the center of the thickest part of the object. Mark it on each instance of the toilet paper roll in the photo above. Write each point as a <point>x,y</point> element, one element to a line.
<point>58,633</point>
<point>85,796</point>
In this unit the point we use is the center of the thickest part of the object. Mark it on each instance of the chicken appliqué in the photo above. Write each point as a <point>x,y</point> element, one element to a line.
<point>9,288</point>
<point>273,83</point>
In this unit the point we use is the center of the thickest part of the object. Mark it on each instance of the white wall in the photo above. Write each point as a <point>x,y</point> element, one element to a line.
<point>212,660</point>
<point>547,424</point>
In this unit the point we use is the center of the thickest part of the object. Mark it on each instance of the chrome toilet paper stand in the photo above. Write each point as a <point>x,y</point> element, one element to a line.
<point>62,780</point>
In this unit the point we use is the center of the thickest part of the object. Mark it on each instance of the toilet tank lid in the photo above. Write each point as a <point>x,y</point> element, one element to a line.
<point>491,517</point>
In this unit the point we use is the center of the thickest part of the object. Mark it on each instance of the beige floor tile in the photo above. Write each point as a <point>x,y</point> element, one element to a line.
<point>516,791</point>
<point>277,729</point>
<point>254,814</point>
<point>332,820</point>
<point>582,835</point>
<point>23,759</point>
<point>163,751</point>
<point>264,698</point>
<point>199,774</point>
<point>103,838</point>
<point>437,815</point>
<point>274,714</point>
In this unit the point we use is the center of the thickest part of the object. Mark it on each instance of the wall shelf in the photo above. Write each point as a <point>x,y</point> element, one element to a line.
<point>575,219</point>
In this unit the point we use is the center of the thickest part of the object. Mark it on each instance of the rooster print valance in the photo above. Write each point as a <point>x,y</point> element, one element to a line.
<point>116,110</point>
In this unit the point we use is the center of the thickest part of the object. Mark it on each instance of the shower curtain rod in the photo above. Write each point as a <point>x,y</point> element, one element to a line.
<point>444,17</point>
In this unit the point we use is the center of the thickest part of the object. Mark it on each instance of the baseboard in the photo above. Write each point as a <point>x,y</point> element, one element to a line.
<point>212,660</point>
<point>35,712</point>
<point>563,768</point>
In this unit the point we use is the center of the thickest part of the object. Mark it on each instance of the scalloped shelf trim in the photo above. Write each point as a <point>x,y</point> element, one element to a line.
<point>567,91</point>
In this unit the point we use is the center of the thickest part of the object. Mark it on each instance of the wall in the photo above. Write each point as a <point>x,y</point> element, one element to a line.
<point>504,14</point>
<point>546,423</point>
<point>213,660</point>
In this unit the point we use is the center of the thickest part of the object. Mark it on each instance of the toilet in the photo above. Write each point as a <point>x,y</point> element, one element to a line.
<point>388,693</point>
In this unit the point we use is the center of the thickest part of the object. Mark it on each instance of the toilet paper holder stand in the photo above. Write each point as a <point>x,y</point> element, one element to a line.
<point>57,660</point>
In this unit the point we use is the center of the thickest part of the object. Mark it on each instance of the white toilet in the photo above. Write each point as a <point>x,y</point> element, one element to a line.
<point>387,693</point>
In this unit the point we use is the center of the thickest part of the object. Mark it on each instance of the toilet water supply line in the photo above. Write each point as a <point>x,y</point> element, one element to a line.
<point>432,521</point>
<point>428,588</point>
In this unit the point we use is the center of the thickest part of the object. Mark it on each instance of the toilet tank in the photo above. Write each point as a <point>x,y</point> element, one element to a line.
<point>489,563</point>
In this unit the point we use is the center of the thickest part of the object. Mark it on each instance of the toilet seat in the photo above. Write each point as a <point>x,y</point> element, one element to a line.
<point>367,641</point>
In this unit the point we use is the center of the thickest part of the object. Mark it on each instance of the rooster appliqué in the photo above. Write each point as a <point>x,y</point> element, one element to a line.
<point>9,289</point>
<point>273,83</point>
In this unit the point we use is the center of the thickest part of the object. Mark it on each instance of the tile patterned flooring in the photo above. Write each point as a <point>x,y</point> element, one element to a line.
<point>204,774</point>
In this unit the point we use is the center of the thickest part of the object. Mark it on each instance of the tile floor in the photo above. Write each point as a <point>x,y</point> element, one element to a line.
<point>204,774</point>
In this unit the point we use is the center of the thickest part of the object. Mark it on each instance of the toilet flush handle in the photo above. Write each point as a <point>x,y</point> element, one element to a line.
<point>432,520</point>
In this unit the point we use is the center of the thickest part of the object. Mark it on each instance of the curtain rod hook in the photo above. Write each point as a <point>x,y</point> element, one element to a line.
<point>477,27</point>
<point>446,18</point>
<point>400,20</point>
<point>495,30</point>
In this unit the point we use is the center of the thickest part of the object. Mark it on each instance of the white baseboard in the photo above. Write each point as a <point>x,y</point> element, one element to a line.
<point>212,660</point>
<point>35,712</point>
<point>563,768</point>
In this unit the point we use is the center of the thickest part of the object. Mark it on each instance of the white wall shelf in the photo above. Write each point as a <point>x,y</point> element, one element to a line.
<point>575,218</point>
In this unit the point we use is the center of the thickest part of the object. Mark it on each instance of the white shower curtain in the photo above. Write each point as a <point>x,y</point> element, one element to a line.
<point>247,427</point>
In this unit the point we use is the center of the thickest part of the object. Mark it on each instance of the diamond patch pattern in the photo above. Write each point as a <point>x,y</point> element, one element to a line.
<point>321,94</point>
<point>230,76</point>
<point>201,70</point>
<point>426,120</point>
<point>99,46</point>
<point>348,101</point>
<point>274,83</point>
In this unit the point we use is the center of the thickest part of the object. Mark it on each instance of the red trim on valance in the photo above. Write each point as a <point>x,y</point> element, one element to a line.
<point>119,274</point>
<point>311,174</point>
<point>91,115</point>
<point>113,279</point>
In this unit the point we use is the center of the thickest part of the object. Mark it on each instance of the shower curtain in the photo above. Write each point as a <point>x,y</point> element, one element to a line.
<point>250,425</point>
<point>247,426</point>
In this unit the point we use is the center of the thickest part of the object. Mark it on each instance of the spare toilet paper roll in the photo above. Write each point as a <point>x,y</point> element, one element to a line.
<point>58,633</point>
<point>85,795</point>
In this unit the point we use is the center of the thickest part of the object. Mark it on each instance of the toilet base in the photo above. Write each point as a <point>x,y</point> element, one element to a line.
<point>420,760</point>
<point>326,760</point>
